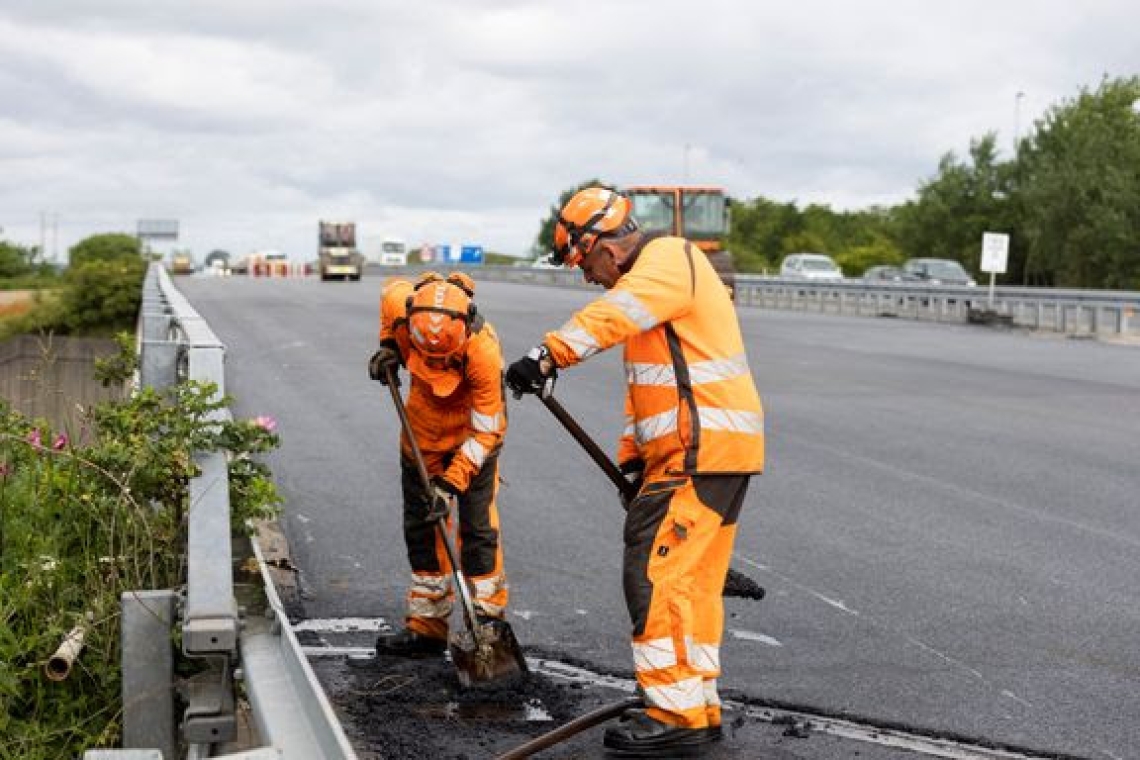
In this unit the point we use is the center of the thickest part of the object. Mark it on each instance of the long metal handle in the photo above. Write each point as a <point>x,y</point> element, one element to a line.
<point>576,726</point>
<point>583,438</point>
<point>460,579</point>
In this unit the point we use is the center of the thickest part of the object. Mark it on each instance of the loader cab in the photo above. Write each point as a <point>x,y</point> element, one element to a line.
<point>699,214</point>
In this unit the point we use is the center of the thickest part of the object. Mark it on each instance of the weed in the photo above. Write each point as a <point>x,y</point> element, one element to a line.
<point>80,525</point>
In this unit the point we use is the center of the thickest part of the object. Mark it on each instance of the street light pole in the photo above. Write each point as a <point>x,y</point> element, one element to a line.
<point>1017,120</point>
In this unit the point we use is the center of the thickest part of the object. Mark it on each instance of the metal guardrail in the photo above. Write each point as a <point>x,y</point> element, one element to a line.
<point>292,717</point>
<point>1093,312</point>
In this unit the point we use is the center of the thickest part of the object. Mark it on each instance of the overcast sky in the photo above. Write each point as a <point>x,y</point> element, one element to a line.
<point>463,120</point>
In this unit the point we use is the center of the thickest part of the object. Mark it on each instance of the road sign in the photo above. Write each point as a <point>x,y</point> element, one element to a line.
<point>995,252</point>
<point>471,254</point>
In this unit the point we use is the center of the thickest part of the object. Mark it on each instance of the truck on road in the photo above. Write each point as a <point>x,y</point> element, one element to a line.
<point>393,253</point>
<point>337,254</point>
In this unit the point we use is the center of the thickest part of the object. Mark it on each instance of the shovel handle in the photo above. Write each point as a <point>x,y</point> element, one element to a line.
<point>583,438</point>
<point>421,466</point>
<point>405,423</point>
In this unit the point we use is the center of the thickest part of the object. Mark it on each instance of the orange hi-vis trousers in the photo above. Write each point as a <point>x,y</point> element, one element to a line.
<point>431,596</point>
<point>679,534</point>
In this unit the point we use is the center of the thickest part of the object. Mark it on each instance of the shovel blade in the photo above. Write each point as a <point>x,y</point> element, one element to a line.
<point>491,654</point>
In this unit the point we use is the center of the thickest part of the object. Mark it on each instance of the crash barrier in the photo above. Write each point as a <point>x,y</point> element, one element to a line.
<point>292,718</point>
<point>1066,311</point>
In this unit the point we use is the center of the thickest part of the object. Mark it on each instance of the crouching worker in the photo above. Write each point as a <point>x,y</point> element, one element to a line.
<point>455,407</point>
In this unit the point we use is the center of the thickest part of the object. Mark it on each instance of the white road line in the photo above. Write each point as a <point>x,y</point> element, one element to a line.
<point>343,625</point>
<point>751,636</point>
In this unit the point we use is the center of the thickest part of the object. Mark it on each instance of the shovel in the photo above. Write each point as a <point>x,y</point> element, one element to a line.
<point>483,652</point>
<point>735,583</point>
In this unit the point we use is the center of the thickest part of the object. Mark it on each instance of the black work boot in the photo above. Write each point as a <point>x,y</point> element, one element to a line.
<point>408,643</point>
<point>638,735</point>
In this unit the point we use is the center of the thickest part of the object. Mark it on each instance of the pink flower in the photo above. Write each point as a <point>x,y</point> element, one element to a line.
<point>268,423</point>
<point>5,470</point>
<point>34,437</point>
<point>60,442</point>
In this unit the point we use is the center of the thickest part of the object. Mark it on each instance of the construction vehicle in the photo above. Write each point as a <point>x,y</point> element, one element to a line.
<point>337,254</point>
<point>696,213</point>
<point>181,262</point>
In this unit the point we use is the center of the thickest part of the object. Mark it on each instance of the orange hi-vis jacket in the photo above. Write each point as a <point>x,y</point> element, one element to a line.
<point>691,404</point>
<point>469,422</point>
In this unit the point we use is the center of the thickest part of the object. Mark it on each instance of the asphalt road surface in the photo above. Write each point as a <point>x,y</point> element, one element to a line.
<point>948,529</point>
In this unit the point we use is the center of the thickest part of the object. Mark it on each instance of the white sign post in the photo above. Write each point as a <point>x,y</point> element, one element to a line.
<point>995,255</point>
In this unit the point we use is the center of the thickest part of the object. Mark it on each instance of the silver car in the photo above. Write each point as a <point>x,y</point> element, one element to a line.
<point>937,272</point>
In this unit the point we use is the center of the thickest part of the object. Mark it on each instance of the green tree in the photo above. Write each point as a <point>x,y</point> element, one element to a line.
<point>1079,190</point>
<point>953,209</point>
<point>760,232</point>
<point>15,260</point>
<point>544,240</point>
<point>102,297</point>
<point>110,246</point>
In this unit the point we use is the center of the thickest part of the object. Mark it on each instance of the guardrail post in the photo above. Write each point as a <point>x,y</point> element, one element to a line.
<point>148,670</point>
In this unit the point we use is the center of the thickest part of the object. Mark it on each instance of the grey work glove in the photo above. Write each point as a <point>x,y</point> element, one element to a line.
<point>441,498</point>
<point>384,359</point>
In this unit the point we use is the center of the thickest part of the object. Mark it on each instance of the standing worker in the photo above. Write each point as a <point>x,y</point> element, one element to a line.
<point>693,438</point>
<point>455,407</point>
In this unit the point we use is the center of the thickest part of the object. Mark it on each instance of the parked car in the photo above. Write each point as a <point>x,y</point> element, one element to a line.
<point>937,272</point>
<point>883,273</point>
<point>810,266</point>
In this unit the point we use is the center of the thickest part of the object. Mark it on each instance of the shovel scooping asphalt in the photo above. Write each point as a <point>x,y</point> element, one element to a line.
<point>736,584</point>
<point>485,651</point>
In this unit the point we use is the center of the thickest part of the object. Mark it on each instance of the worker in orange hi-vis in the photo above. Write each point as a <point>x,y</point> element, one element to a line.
<point>693,438</point>
<point>455,407</point>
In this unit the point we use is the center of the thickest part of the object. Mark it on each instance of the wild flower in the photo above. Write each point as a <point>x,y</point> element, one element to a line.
<point>267,423</point>
<point>34,438</point>
<point>60,442</point>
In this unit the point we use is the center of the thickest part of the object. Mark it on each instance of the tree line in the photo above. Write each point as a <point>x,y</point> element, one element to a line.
<point>1069,198</point>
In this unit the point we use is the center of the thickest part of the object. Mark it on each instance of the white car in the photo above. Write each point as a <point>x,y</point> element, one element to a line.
<point>810,266</point>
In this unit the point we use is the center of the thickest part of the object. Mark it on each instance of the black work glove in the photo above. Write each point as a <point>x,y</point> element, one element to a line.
<point>385,357</point>
<point>440,499</point>
<point>634,472</point>
<point>531,373</point>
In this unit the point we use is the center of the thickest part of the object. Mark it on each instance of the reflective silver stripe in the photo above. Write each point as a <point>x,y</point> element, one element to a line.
<point>715,370</point>
<point>643,373</point>
<point>485,588</point>
<point>578,339</point>
<point>629,431</point>
<point>474,451</point>
<point>703,657</point>
<point>732,420</point>
<point>677,697</point>
<point>654,655</point>
<point>712,698</point>
<point>484,423</point>
<point>430,596</point>
<point>431,585</point>
<point>656,426</point>
<point>711,371</point>
<point>628,304</point>
<point>419,606</point>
